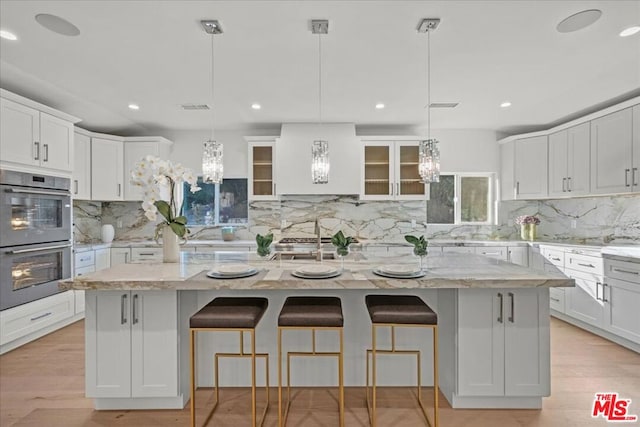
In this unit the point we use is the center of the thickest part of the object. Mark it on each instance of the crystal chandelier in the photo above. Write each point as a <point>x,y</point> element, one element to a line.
<point>320,148</point>
<point>429,154</point>
<point>212,156</point>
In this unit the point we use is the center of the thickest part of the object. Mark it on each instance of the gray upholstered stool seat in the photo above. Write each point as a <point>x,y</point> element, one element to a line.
<point>227,314</point>
<point>400,309</point>
<point>310,313</point>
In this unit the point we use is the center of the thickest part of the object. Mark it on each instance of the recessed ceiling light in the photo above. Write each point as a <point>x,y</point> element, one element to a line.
<point>579,20</point>
<point>256,106</point>
<point>57,25</point>
<point>630,31</point>
<point>505,104</point>
<point>379,106</point>
<point>134,107</point>
<point>8,35</point>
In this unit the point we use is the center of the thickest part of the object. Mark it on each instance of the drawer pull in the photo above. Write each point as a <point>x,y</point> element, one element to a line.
<point>135,309</point>
<point>586,265</point>
<point>555,299</point>
<point>555,259</point>
<point>146,254</point>
<point>41,316</point>
<point>597,289</point>
<point>619,270</point>
<point>604,299</point>
<point>123,315</point>
<point>491,253</point>
<point>512,317</point>
<point>501,310</point>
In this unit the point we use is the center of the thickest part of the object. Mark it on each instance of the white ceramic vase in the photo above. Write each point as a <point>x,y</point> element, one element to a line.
<point>107,233</point>
<point>170,245</point>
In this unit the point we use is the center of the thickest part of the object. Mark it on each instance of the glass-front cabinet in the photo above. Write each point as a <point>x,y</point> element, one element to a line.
<point>390,170</point>
<point>262,170</point>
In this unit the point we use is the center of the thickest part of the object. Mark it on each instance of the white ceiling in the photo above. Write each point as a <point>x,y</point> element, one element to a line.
<point>155,53</point>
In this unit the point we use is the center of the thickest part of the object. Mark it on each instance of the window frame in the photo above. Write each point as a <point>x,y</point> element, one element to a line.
<point>457,198</point>
<point>180,196</point>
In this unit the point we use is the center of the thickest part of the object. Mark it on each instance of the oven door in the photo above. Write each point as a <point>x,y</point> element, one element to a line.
<point>30,215</point>
<point>31,272</point>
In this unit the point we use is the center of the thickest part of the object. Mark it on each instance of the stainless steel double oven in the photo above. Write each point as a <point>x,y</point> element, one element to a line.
<point>35,236</point>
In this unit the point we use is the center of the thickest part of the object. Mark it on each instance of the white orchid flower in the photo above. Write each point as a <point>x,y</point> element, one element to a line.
<point>194,188</point>
<point>151,216</point>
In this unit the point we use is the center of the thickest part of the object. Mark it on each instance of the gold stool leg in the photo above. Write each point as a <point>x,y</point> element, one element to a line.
<point>280,377</point>
<point>253,378</point>
<point>192,339</point>
<point>435,376</point>
<point>373,376</point>
<point>341,376</point>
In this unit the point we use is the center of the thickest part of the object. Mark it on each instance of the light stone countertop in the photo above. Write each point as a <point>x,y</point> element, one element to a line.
<point>443,271</point>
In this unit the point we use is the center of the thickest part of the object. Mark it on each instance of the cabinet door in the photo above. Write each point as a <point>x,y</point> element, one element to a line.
<point>636,149</point>
<point>622,316</point>
<point>81,167</point>
<point>56,137</point>
<point>558,174</point>
<point>583,301</point>
<point>102,259</point>
<point>106,169</point>
<point>19,133</point>
<point>133,152</point>
<point>578,160</point>
<point>378,180</point>
<point>480,342</point>
<point>154,344</point>
<point>120,256</point>
<point>531,167</point>
<point>408,184</point>
<point>108,343</point>
<point>519,255</point>
<point>611,140</point>
<point>507,181</point>
<point>262,184</point>
<point>527,348</point>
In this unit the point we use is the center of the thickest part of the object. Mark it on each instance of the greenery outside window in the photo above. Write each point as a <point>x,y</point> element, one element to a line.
<point>217,204</point>
<point>461,199</point>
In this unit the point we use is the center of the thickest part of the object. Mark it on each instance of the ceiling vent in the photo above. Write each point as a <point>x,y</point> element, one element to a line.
<point>192,107</point>
<point>444,104</point>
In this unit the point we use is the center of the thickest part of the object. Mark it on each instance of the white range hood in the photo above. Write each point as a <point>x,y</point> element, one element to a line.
<point>293,157</point>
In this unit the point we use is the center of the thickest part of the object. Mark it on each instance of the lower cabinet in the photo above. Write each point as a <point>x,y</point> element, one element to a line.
<point>622,299</point>
<point>503,342</point>
<point>518,255</point>
<point>120,256</point>
<point>585,301</point>
<point>140,330</point>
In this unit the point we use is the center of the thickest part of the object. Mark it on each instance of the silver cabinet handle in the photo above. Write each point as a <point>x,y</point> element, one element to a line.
<point>604,297</point>
<point>46,153</point>
<point>555,259</point>
<point>491,253</point>
<point>41,316</point>
<point>123,312</point>
<point>619,270</point>
<point>36,145</point>
<point>397,189</point>
<point>586,265</point>
<point>597,289</point>
<point>126,258</point>
<point>119,189</point>
<point>501,310</point>
<point>626,178</point>
<point>75,184</point>
<point>513,309</point>
<point>555,299</point>
<point>569,186</point>
<point>135,309</point>
<point>633,176</point>
<point>517,188</point>
<point>146,254</point>
<point>38,192</point>
<point>22,251</point>
<point>564,181</point>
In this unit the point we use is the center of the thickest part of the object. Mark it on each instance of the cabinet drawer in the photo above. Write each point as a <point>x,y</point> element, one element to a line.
<point>554,256</point>
<point>146,254</point>
<point>27,318</point>
<point>584,263</point>
<point>85,270</point>
<point>623,270</point>
<point>493,252</point>
<point>458,249</point>
<point>84,259</point>
<point>556,299</point>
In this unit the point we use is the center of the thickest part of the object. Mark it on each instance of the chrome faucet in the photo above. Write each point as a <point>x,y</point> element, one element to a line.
<point>316,230</point>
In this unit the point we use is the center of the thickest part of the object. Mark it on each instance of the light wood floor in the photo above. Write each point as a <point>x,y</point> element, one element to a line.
<point>42,384</point>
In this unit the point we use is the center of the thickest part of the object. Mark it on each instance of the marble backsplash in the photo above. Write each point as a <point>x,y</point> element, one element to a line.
<point>598,220</point>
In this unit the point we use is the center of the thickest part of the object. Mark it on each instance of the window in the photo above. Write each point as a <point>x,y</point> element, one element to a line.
<point>461,199</point>
<point>217,204</point>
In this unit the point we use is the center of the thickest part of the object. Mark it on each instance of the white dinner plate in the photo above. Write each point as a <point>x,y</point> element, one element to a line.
<point>316,270</point>
<point>233,269</point>
<point>416,275</point>
<point>335,273</point>
<point>400,269</point>
<point>214,275</point>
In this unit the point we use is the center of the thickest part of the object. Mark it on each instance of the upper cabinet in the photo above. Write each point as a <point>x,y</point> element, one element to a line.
<point>612,166</point>
<point>507,183</point>
<point>530,167</point>
<point>81,188</point>
<point>262,169</point>
<point>35,136</point>
<point>390,170</point>
<point>569,165</point>
<point>136,149</point>
<point>107,171</point>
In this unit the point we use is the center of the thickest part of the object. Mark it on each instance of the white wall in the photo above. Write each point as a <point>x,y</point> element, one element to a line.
<point>468,150</point>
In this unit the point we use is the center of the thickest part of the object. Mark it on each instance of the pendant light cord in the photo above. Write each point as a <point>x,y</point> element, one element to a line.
<point>213,115</point>
<point>319,86</point>
<point>429,84</point>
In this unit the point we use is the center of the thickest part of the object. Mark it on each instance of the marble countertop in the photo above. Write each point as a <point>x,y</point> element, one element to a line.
<point>443,271</point>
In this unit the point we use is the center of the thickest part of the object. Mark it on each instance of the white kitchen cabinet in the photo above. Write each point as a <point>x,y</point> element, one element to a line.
<point>458,249</point>
<point>569,161</point>
<point>136,149</point>
<point>86,262</point>
<point>612,157</point>
<point>503,349</point>
<point>146,254</point>
<point>497,252</point>
<point>34,138</point>
<point>635,169</point>
<point>141,328</point>
<point>107,169</point>
<point>622,299</point>
<point>507,181</point>
<point>262,170</point>
<point>530,167</point>
<point>102,258</point>
<point>518,255</point>
<point>120,256</point>
<point>390,170</point>
<point>81,188</point>
<point>585,301</point>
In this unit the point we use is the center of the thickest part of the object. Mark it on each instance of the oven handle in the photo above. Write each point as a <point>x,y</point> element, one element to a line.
<point>22,251</point>
<point>43,192</point>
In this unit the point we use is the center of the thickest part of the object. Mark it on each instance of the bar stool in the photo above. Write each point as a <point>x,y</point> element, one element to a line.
<point>226,314</point>
<point>310,313</point>
<point>401,311</point>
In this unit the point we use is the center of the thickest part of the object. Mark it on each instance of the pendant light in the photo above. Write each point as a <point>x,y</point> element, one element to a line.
<point>320,148</point>
<point>429,154</point>
<point>212,157</point>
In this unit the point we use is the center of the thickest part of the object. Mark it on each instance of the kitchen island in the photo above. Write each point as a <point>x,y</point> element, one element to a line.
<point>493,328</point>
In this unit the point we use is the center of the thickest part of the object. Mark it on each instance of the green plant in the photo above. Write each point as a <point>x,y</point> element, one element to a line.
<point>341,243</point>
<point>263,244</point>
<point>419,244</point>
